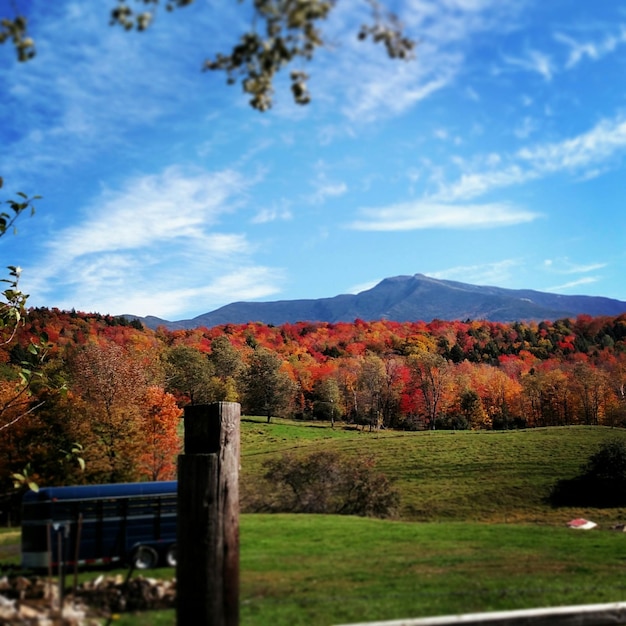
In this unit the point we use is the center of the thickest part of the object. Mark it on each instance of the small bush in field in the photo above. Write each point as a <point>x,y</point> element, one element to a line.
<point>602,482</point>
<point>327,482</point>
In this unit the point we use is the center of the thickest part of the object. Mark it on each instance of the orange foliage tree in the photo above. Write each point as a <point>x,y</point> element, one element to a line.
<point>160,418</point>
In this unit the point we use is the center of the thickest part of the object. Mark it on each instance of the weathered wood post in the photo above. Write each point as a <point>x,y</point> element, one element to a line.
<point>207,571</point>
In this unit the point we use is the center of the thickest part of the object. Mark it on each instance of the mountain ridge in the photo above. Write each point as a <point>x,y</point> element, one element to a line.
<point>404,299</point>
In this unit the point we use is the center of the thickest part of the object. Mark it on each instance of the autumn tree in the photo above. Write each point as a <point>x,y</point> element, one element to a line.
<point>110,387</point>
<point>12,316</point>
<point>430,377</point>
<point>160,419</point>
<point>547,397</point>
<point>268,389</point>
<point>47,442</point>
<point>393,384</point>
<point>589,386</point>
<point>370,385</point>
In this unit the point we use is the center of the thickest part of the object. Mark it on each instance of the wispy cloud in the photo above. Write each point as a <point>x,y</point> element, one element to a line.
<point>592,50</point>
<point>131,243</point>
<point>327,190</point>
<point>363,286</point>
<point>496,273</point>
<point>83,93</point>
<point>565,266</point>
<point>533,61</point>
<point>589,148</point>
<point>575,283</point>
<point>423,215</point>
<point>372,87</point>
<point>581,154</point>
<point>265,216</point>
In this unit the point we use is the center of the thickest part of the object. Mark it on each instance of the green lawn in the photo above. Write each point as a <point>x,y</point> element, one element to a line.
<point>321,570</point>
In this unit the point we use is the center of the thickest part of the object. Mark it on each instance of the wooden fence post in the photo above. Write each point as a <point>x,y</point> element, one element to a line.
<point>207,571</point>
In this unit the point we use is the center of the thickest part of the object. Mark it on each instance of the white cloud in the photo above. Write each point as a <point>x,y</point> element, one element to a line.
<point>363,286</point>
<point>582,154</point>
<point>596,145</point>
<point>247,283</point>
<point>534,61</point>
<point>592,50</point>
<point>525,128</point>
<point>325,188</point>
<point>575,283</point>
<point>424,215</point>
<point>496,273</point>
<point>471,185</point>
<point>154,245</point>
<point>87,88</point>
<point>565,266</point>
<point>265,216</point>
<point>372,87</point>
<point>173,205</point>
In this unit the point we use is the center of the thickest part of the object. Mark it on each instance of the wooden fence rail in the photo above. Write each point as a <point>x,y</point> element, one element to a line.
<point>582,615</point>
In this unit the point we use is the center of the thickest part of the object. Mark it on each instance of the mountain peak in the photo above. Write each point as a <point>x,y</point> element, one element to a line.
<point>408,298</point>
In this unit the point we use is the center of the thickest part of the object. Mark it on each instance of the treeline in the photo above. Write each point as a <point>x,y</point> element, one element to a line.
<point>110,392</point>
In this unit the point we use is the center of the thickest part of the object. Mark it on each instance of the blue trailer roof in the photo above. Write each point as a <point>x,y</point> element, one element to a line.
<point>85,492</point>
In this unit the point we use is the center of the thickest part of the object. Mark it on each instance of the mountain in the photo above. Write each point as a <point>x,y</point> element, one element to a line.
<point>407,298</point>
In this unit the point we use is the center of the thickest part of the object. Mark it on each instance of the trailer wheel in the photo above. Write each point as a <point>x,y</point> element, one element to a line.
<point>170,555</point>
<point>145,557</point>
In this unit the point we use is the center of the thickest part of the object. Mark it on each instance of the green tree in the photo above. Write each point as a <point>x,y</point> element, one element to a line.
<point>472,408</point>
<point>327,400</point>
<point>268,389</point>
<point>227,365</point>
<point>189,373</point>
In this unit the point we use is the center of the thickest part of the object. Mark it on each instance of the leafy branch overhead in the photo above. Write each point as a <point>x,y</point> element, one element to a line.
<point>282,31</point>
<point>14,30</point>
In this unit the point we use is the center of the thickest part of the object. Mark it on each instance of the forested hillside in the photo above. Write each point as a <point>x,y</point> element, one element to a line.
<point>108,393</point>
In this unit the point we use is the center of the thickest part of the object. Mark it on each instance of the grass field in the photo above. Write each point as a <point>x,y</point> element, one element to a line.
<point>474,531</point>
<point>486,476</point>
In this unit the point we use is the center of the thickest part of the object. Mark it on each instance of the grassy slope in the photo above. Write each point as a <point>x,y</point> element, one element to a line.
<point>465,475</point>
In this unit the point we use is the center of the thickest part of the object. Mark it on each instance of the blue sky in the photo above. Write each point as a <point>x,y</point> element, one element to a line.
<point>496,157</point>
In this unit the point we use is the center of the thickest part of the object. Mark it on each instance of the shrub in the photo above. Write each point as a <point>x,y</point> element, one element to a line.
<point>451,422</point>
<point>326,482</point>
<point>602,482</point>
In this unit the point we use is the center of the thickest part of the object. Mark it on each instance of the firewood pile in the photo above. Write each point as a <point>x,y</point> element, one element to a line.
<point>35,600</point>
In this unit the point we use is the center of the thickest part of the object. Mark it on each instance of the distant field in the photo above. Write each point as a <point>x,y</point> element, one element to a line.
<point>486,476</point>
